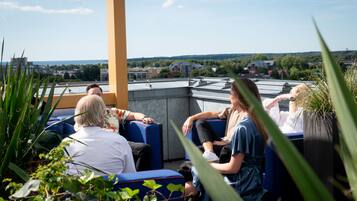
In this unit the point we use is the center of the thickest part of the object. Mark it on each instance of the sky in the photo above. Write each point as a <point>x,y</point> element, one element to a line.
<point>77,30</point>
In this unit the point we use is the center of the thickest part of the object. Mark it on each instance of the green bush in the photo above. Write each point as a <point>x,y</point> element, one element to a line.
<point>23,117</point>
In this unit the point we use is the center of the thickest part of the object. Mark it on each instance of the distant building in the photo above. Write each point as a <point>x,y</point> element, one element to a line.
<point>136,73</point>
<point>152,72</point>
<point>139,73</point>
<point>20,61</point>
<point>253,66</point>
<point>184,67</point>
<point>349,63</point>
<point>62,73</point>
<point>103,74</point>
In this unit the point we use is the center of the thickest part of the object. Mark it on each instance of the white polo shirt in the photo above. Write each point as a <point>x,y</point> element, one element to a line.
<point>101,149</point>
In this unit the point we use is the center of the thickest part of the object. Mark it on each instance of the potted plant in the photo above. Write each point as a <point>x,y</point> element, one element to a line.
<point>321,132</point>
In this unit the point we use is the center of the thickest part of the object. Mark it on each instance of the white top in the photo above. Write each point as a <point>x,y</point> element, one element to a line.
<point>288,122</point>
<point>101,149</point>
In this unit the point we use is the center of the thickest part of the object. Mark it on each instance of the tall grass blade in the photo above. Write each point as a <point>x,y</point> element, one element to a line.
<point>345,108</point>
<point>213,182</point>
<point>20,172</point>
<point>306,180</point>
<point>2,52</point>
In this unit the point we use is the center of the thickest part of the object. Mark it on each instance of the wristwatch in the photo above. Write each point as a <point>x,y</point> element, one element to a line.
<point>292,99</point>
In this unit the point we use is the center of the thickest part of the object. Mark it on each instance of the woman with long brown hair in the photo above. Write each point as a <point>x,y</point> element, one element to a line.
<point>244,169</point>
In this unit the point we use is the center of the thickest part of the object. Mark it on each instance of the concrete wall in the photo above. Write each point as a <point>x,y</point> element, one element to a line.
<point>164,105</point>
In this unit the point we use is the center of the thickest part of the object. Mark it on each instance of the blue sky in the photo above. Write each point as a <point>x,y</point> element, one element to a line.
<point>76,29</point>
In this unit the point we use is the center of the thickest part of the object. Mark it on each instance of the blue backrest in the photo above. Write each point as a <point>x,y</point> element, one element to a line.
<point>218,127</point>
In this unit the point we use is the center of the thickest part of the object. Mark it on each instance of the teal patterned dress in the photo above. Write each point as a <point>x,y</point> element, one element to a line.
<point>248,181</point>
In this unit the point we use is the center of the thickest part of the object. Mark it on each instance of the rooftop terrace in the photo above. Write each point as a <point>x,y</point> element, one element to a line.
<point>176,99</point>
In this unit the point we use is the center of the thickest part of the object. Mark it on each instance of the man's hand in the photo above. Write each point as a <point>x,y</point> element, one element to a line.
<point>148,120</point>
<point>187,126</point>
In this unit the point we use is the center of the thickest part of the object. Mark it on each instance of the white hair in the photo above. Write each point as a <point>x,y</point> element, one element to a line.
<point>91,111</point>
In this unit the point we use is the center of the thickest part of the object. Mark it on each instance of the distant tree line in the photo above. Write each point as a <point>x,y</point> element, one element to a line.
<point>295,66</point>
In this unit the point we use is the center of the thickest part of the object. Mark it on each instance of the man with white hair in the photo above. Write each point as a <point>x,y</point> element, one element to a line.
<point>114,117</point>
<point>93,146</point>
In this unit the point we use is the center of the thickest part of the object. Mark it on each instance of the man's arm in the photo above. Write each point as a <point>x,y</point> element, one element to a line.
<point>187,126</point>
<point>140,117</point>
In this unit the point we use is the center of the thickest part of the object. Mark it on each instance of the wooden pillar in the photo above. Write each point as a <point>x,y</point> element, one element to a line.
<point>117,58</point>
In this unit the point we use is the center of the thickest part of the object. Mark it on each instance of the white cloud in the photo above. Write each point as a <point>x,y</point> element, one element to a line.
<point>168,3</point>
<point>40,9</point>
<point>180,6</point>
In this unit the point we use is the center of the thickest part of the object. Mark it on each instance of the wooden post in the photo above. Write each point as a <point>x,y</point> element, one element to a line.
<point>117,58</point>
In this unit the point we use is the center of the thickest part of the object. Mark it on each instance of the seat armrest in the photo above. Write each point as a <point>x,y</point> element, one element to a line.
<point>151,134</point>
<point>164,177</point>
<point>218,126</point>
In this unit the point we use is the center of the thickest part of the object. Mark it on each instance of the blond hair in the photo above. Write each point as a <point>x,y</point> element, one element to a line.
<point>91,111</point>
<point>301,91</point>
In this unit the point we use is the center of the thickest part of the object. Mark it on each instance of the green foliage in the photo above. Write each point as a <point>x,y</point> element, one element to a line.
<point>166,73</point>
<point>51,181</point>
<point>89,73</point>
<point>259,57</point>
<point>23,117</point>
<point>344,102</point>
<point>291,61</point>
<point>319,99</point>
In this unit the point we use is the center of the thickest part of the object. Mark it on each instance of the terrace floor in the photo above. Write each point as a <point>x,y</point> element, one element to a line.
<point>173,165</point>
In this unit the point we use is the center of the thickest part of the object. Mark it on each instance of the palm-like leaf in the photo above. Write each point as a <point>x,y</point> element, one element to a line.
<point>346,112</point>
<point>21,121</point>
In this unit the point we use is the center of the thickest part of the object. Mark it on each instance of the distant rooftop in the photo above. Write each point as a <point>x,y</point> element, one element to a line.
<point>268,87</point>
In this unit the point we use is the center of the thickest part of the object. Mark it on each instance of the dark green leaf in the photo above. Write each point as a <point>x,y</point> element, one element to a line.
<point>20,172</point>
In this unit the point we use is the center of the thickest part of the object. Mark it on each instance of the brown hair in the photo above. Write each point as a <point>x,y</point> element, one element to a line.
<point>245,106</point>
<point>93,86</point>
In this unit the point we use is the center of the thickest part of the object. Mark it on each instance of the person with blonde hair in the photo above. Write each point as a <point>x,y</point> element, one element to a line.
<point>93,146</point>
<point>288,121</point>
<point>115,117</point>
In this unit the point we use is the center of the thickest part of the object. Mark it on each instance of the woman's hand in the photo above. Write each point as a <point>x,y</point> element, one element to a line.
<point>187,126</point>
<point>284,97</point>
